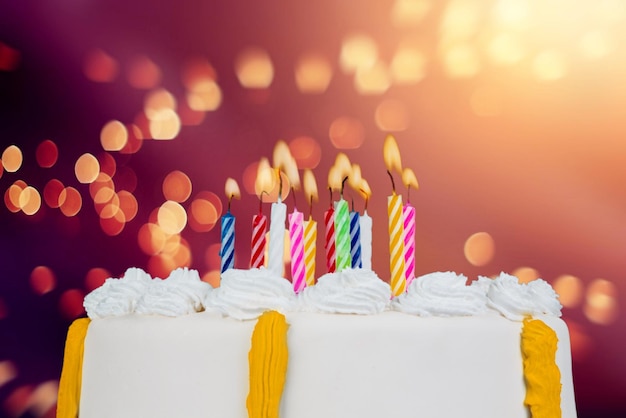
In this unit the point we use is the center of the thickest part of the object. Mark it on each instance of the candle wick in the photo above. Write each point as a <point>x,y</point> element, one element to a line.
<point>293,192</point>
<point>352,204</point>
<point>229,200</point>
<point>408,194</point>
<point>280,185</point>
<point>310,207</point>
<point>261,201</point>
<point>343,182</point>
<point>330,202</point>
<point>393,183</point>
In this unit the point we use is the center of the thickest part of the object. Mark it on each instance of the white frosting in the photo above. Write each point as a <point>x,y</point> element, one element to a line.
<point>442,294</point>
<point>246,294</point>
<point>182,293</point>
<point>117,297</point>
<point>517,300</point>
<point>351,291</point>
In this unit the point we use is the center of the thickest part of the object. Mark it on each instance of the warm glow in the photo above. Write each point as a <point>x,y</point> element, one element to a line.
<point>525,274</point>
<point>177,186</point>
<point>157,101</point>
<point>12,159</point>
<point>12,195</point>
<point>71,304</point>
<point>408,66</point>
<point>307,152</point>
<point>264,181</point>
<point>95,278</point>
<point>254,68</point>
<point>461,61</point>
<point>212,277</point>
<point>601,302</point>
<point>8,370</point>
<point>151,238</point>
<point>596,44</point>
<point>113,136</point>
<point>102,189</point>
<point>128,205</point>
<point>506,49</point>
<point>43,399</point>
<point>358,52</point>
<point>30,200</point>
<point>346,133</point>
<point>113,225</point>
<point>391,154</point>
<point>165,124</point>
<point>107,163</point>
<point>42,280</point>
<point>512,14</point>
<point>100,67</point>
<point>202,214</point>
<point>549,66</point>
<point>135,140</point>
<point>72,201</point>
<point>87,168</point>
<point>409,13</point>
<point>486,101</point>
<point>172,217</point>
<point>479,249</point>
<point>143,73</point>
<point>343,165</point>
<point>372,80</point>
<point>569,289</point>
<point>461,19</point>
<point>310,186</point>
<point>392,116</point>
<point>281,156</point>
<point>334,179</point>
<point>355,177</point>
<point>313,73</point>
<point>365,189</point>
<point>47,153</point>
<point>409,179</point>
<point>204,96</point>
<point>51,193</point>
<point>231,188</point>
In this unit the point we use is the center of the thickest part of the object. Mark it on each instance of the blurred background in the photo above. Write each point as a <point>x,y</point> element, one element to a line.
<point>120,122</point>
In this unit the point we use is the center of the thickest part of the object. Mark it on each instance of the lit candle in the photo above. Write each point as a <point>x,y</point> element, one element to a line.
<point>365,224</point>
<point>278,215</point>
<point>310,228</point>
<point>227,249</point>
<point>396,227</point>
<point>296,233</point>
<point>355,238</point>
<point>329,223</point>
<point>408,213</point>
<point>262,184</point>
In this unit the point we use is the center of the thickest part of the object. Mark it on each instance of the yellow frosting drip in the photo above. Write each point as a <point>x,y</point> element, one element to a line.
<point>268,365</point>
<point>72,372</point>
<point>542,375</point>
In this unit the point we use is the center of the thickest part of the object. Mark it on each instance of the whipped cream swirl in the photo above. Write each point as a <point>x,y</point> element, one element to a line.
<point>517,300</point>
<point>117,297</point>
<point>182,293</point>
<point>246,294</point>
<point>442,294</point>
<point>351,291</point>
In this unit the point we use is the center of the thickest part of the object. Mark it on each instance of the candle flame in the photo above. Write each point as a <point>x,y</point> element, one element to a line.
<point>355,177</point>
<point>291,169</point>
<point>391,154</point>
<point>310,185</point>
<point>282,156</point>
<point>334,178</point>
<point>409,179</point>
<point>264,178</point>
<point>232,188</point>
<point>343,165</point>
<point>365,189</point>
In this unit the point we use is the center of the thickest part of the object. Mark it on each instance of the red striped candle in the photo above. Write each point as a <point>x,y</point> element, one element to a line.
<point>259,227</point>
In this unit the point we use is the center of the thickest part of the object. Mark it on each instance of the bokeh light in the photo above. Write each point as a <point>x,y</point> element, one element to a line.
<point>9,57</point>
<point>601,305</point>
<point>409,13</point>
<point>346,133</point>
<point>203,214</point>
<point>172,217</point>
<point>307,152</point>
<point>525,274</point>
<point>102,189</point>
<point>12,158</point>
<point>100,67</point>
<point>204,96</point>
<point>313,73</point>
<point>151,238</point>
<point>43,398</point>
<point>461,60</point>
<point>16,403</point>
<point>408,65</point>
<point>8,372</point>
<point>42,280</point>
<point>87,168</point>
<point>71,304</point>
<point>479,249</point>
<point>71,200</point>
<point>134,141</point>
<point>165,125</point>
<point>113,136</point>
<point>549,65</point>
<point>254,68</point>
<point>212,257</point>
<point>157,101</point>
<point>113,225</point>
<point>358,52</point>
<point>212,277</point>
<point>30,200</point>
<point>128,205</point>
<point>107,163</point>
<point>95,278</point>
<point>570,290</point>
<point>47,154</point>
<point>176,186</point>
<point>142,73</point>
<point>391,116</point>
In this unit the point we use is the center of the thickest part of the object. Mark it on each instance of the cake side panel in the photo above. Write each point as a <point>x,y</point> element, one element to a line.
<point>399,365</point>
<point>192,366</point>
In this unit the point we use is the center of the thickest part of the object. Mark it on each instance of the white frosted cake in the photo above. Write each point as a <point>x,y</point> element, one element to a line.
<point>179,348</point>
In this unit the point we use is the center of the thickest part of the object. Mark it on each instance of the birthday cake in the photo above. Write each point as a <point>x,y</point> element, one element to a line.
<point>340,348</point>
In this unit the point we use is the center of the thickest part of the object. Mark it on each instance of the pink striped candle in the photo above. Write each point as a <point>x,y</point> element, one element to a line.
<point>296,239</point>
<point>257,254</point>
<point>408,214</point>
<point>329,239</point>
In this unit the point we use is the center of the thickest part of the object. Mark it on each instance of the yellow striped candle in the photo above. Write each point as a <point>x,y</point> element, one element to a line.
<point>310,237</point>
<point>396,244</point>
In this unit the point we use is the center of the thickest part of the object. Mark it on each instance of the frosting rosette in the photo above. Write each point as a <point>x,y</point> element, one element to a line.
<point>351,291</point>
<point>246,294</point>
<point>117,297</point>
<point>442,294</point>
<point>182,293</point>
<point>517,300</point>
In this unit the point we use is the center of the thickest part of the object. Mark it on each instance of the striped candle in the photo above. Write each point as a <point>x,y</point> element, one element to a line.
<point>329,240</point>
<point>310,236</point>
<point>355,240</point>
<point>227,250</point>
<point>277,238</point>
<point>257,254</point>
<point>296,240</point>
<point>396,244</point>
<point>342,235</point>
<point>408,214</point>
<point>365,222</point>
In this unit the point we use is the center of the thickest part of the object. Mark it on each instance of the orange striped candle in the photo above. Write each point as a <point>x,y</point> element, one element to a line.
<point>396,244</point>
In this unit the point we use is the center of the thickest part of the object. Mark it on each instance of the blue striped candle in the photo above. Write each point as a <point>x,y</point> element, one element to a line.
<point>227,250</point>
<point>355,240</point>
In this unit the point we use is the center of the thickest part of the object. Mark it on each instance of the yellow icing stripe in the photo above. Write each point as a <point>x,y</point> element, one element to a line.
<point>542,375</point>
<point>72,372</point>
<point>268,365</point>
